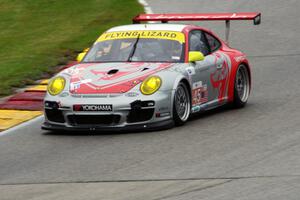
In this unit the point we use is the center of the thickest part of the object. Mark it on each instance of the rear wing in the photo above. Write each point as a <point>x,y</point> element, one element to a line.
<point>227,17</point>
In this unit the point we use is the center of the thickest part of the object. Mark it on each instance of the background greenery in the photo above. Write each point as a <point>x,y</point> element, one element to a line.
<point>37,35</point>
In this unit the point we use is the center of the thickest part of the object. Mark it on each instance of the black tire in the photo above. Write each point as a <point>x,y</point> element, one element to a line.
<point>181,101</point>
<point>241,87</point>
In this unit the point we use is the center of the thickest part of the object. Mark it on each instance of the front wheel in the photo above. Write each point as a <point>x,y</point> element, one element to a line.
<point>182,104</point>
<point>241,87</point>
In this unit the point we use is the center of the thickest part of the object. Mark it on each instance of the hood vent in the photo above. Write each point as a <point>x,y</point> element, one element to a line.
<point>113,71</point>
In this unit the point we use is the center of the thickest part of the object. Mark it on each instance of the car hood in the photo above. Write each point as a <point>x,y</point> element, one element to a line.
<point>99,78</point>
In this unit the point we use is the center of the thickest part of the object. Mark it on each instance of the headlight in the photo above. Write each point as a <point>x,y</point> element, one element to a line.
<point>56,85</point>
<point>150,85</point>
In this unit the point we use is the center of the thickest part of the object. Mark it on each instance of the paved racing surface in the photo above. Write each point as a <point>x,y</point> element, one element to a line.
<point>252,153</point>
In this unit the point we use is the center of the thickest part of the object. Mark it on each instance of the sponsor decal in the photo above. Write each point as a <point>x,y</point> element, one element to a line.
<point>175,58</point>
<point>72,71</point>
<point>90,107</point>
<point>163,108</point>
<point>239,58</point>
<point>64,94</point>
<point>132,94</point>
<point>196,109</point>
<point>75,86</point>
<point>168,35</point>
<point>199,93</point>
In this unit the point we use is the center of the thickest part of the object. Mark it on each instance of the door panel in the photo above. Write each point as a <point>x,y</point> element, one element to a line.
<point>202,91</point>
<point>210,80</point>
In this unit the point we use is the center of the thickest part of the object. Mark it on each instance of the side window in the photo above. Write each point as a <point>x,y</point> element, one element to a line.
<point>197,42</point>
<point>213,43</point>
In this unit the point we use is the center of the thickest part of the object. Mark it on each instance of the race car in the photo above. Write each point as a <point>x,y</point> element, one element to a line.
<point>150,76</point>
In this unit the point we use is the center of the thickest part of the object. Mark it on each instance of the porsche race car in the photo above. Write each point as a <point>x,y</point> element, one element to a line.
<point>150,76</point>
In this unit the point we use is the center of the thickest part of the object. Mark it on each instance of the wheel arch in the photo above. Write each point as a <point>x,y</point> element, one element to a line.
<point>249,71</point>
<point>232,80</point>
<point>186,82</point>
<point>178,80</point>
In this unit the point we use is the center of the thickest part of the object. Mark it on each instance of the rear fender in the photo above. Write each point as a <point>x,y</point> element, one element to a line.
<point>236,62</point>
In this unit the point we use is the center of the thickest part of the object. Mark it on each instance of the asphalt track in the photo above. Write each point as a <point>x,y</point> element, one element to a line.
<point>251,153</point>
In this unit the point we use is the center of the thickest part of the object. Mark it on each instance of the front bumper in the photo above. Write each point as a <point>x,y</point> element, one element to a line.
<point>126,114</point>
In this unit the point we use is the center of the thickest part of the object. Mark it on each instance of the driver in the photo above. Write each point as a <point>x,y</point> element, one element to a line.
<point>102,50</point>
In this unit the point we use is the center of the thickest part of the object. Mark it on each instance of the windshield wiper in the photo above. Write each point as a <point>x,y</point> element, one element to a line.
<point>133,49</point>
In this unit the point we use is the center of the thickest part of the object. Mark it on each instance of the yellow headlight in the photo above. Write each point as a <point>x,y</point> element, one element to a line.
<point>150,85</point>
<point>56,85</point>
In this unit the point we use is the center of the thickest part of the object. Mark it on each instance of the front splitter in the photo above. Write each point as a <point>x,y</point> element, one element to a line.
<point>137,127</point>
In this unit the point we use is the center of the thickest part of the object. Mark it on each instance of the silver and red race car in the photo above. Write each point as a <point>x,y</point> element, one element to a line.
<point>150,76</point>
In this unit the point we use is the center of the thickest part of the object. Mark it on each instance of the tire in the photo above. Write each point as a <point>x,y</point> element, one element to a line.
<point>241,87</point>
<point>181,105</point>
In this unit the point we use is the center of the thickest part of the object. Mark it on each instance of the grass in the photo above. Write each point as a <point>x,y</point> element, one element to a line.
<point>37,35</point>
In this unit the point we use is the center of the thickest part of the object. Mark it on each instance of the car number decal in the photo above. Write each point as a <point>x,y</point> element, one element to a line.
<point>199,93</point>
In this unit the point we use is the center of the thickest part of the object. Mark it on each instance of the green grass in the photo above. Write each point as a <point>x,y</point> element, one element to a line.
<point>37,35</point>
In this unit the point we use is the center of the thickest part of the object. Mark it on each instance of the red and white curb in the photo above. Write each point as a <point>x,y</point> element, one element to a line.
<point>24,106</point>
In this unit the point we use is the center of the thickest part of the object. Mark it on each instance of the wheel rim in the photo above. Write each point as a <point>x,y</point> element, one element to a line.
<point>182,103</point>
<point>242,83</point>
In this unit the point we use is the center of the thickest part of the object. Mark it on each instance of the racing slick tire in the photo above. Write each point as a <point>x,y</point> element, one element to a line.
<point>181,105</point>
<point>241,87</point>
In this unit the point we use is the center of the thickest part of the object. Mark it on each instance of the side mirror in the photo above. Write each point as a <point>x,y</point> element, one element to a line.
<point>82,54</point>
<point>195,56</point>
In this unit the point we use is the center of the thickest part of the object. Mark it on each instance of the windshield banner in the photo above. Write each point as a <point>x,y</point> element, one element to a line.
<point>168,35</point>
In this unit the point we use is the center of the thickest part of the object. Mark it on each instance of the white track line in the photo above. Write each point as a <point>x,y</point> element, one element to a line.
<point>147,8</point>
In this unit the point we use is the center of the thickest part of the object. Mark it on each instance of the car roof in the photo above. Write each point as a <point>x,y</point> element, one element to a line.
<point>134,27</point>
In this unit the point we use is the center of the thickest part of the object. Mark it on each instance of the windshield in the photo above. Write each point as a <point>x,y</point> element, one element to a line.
<point>138,46</point>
